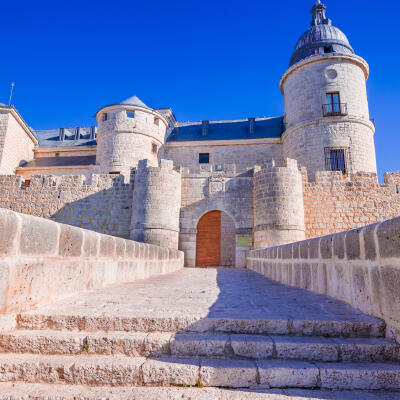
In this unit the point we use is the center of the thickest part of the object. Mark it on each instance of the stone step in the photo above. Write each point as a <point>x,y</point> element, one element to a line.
<point>368,327</point>
<point>208,372</point>
<point>32,391</point>
<point>195,344</point>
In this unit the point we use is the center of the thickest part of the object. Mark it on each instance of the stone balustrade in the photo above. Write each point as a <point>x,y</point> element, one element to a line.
<point>360,267</point>
<point>42,261</point>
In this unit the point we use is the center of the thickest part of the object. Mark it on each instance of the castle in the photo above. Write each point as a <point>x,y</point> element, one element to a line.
<point>214,189</point>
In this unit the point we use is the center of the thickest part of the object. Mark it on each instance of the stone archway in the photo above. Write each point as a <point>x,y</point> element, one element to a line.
<point>215,240</point>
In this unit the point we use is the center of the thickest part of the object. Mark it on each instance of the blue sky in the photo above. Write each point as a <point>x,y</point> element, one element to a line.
<point>205,60</point>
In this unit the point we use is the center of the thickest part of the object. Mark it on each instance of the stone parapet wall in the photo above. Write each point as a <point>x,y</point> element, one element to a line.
<point>335,202</point>
<point>42,261</point>
<point>104,205</point>
<point>360,267</point>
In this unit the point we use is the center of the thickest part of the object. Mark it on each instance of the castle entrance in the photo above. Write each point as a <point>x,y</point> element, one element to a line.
<point>215,240</point>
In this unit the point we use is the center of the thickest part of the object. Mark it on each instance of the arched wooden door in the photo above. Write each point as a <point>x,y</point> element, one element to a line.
<point>208,240</point>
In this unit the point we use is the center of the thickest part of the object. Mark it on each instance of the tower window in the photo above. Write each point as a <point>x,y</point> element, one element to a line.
<point>327,49</point>
<point>204,158</point>
<point>105,117</point>
<point>130,114</point>
<point>333,105</point>
<point>154,148</point>
<point>336,159</point>
<point>157,121</point>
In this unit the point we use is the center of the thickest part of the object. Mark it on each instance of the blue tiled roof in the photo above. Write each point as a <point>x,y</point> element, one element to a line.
<point>50,138</point>
<point>228,130</point>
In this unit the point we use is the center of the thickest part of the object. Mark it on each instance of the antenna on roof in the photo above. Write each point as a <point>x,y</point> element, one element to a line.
<point>11,93</point>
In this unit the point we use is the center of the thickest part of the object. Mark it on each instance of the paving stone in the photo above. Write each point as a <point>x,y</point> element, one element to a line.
<point>252,346</point>
<point>277,373</point>
<point>228,373</point>
<point>171,371</point>
<point>359,376</point>
<point>198,344</point>
<point>305,348</point>
<point>368,349</point>
<point>209,300</point>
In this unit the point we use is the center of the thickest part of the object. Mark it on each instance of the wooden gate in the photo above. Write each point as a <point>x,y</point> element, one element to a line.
<point>208,240</point>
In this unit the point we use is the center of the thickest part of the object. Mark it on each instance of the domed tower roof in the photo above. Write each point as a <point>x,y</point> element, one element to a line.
<point>321,38</point>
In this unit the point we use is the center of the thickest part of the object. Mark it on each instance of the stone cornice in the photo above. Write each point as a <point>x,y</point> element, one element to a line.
<point>324,57</point>
<point>323,121</point>
<point>58,167</point>
<point>113,107</point>
<point>65,149</point>
<point>134,132</point>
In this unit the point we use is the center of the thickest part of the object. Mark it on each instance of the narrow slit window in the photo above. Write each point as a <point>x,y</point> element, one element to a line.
<point>154,148</point>
<point>157,121</point>
<point>105,117</point>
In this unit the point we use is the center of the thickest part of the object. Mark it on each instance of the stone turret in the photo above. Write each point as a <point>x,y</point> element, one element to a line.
<point>127,133</point>
<point>327,123</point>
<point>278,204</point>
<point>156,205</point>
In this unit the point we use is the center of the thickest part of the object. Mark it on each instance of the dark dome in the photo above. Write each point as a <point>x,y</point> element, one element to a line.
<point>321,38</point>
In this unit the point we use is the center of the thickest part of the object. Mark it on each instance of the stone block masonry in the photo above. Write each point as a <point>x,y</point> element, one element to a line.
<point>104,205</point>
<point>360,267</point>
<point>42,261</point>
<point>337,202</point>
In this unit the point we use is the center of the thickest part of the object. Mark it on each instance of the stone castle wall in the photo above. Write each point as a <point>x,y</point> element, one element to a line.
<point>336,202</point>
<point>104,205</point>
<point>244,156</point>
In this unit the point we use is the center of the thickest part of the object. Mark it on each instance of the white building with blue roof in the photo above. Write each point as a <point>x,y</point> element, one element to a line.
<point>213,165</point>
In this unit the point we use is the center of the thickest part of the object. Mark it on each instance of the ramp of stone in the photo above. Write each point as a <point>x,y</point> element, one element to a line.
<point>212,328</point>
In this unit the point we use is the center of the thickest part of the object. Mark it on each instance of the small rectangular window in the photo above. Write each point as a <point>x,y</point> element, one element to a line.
<point>154,148</point>
<point>130,114</point>
<point>157,121</point>
<point>114,172</point>
<point>27,182</point>
<point>204,158</point>
<point>105,117</point>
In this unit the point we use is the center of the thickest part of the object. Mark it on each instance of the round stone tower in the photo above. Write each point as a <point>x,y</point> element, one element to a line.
<point>156,204</point>
<point>278,204</point>
<point>327,124</point>
<point>127,133</point>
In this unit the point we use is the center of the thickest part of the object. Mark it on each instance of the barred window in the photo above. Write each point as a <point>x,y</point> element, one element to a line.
<point>336,159</point>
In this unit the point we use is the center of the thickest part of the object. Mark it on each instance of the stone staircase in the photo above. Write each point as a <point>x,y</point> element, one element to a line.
<point>60,350</point>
